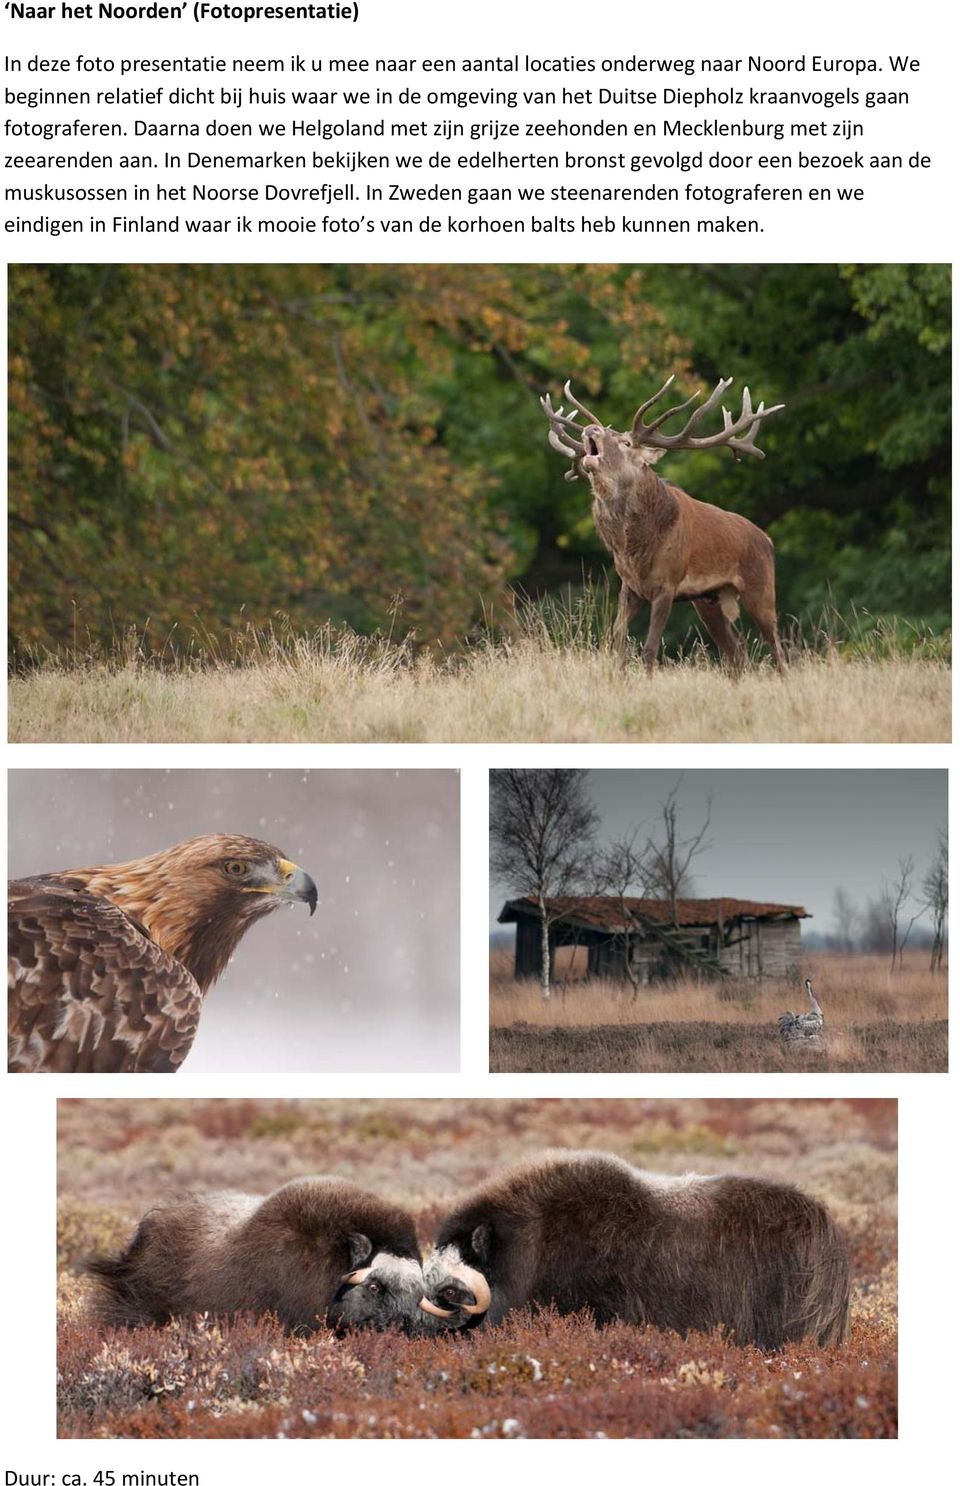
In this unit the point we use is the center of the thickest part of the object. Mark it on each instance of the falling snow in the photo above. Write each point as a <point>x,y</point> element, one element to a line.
<point>274,1001</point>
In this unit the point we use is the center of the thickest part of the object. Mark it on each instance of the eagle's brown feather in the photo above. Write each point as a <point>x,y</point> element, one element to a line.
<point>108,965</point>
<point>91,992</point>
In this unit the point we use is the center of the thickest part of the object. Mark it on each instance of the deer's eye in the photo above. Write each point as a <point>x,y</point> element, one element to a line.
<point>236,868</point>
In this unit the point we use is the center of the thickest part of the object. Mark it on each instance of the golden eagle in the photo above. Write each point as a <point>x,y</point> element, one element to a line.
<point>108,966</point>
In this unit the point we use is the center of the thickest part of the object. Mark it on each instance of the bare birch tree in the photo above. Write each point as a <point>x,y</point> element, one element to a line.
<point>936,897</point>
<point>542,831</point>
<point>894,898</point>
<point>667,860</point>
<point>846,920</point>
<point>620,867</point>
<point>875,936</point>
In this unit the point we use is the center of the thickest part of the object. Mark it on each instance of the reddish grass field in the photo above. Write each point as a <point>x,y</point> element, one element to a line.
<point>876,1022</point>
<point>536,1375</point>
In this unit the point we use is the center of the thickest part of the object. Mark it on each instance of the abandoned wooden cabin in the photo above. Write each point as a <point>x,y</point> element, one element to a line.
<point>714,936</point>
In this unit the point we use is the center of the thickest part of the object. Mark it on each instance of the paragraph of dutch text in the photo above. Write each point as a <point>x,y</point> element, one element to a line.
<point>506,146</point>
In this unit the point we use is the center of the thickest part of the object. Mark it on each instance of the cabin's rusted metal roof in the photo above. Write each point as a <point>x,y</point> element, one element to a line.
<point>604,913</point>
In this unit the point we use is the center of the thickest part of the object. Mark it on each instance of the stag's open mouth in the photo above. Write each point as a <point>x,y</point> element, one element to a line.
<point>591,447</point>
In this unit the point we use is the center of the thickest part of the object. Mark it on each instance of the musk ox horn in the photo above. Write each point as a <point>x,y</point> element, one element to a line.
<point>356,1276</point>
<point>476,1282</point>
<point>434,1310</point>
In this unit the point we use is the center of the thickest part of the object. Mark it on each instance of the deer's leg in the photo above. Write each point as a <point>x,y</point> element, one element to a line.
<point>764,614</point>
<point>727,640</point>
<point>628,606</point>
<point>659,614</point>
<point>768,628</point>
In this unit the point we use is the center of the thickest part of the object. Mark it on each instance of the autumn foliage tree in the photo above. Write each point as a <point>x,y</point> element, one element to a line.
<point>197,447</point>
<point>219,442</point>
<point>212,444</point>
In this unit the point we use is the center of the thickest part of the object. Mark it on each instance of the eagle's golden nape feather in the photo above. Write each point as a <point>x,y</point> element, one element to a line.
<point>108,965</point>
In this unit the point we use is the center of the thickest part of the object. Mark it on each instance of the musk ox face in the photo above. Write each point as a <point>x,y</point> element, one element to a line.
<point>457,1293</point>
<point>382,1290</point>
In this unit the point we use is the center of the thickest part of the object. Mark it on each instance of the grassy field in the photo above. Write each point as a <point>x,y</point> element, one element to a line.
<point>542,685</point>
<point>535,1375</point>
<point>875,1022</point>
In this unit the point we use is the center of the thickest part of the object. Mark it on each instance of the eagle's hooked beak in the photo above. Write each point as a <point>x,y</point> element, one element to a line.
<point>296,886</point>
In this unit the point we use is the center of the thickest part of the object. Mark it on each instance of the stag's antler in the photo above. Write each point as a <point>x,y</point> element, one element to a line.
<point>747,423</point>
<point>561,425</point>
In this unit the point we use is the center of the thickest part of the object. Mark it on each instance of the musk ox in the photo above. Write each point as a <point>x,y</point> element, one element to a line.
<point>579,1230</point>
<point>317,1250</point>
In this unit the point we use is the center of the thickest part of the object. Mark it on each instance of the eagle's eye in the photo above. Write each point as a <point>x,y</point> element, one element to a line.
<point>236,868</point>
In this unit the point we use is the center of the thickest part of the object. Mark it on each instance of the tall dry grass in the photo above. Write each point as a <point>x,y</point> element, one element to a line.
<point>552,681</point>
<point>850,988</point>
<point>876,1020</point>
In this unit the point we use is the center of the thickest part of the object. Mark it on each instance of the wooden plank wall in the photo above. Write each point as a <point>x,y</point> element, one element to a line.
<point>765,949</point>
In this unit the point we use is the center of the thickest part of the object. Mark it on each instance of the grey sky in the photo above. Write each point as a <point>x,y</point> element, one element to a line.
<point>784,835</point>
<point>371,983</point>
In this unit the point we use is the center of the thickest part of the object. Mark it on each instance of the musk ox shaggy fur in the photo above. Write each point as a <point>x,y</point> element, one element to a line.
<point>578,1230</point>
<point>316,1251</point>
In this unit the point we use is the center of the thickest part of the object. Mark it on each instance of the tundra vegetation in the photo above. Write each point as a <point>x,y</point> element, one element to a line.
<point>315,502</point>
<point>534,1375</point>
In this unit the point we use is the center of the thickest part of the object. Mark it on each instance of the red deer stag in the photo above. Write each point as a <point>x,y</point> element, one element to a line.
<point>666,545</point>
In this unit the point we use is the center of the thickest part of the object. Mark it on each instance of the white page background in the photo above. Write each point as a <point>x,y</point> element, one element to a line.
<point>922,227</point>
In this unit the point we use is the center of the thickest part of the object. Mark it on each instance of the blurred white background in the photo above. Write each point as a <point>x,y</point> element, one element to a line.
<point>371,983</point>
